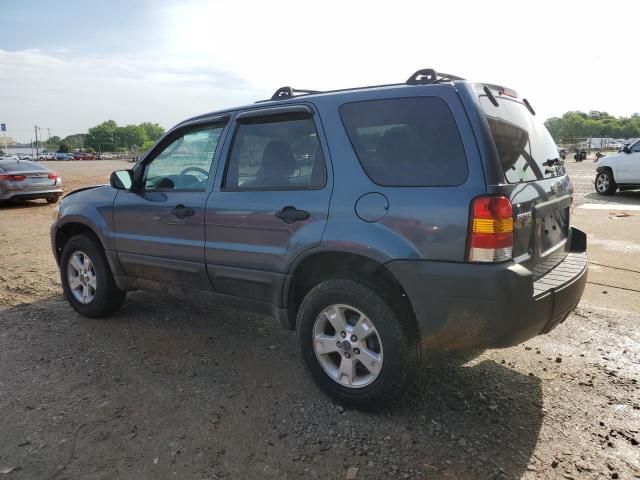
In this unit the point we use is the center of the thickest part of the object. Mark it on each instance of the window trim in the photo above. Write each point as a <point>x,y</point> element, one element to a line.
<point>269,112</point>
<point>455,122</point>
<point>170,137</point>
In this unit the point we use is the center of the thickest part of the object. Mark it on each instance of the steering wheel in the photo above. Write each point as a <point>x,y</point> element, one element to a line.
<point>194,169</point>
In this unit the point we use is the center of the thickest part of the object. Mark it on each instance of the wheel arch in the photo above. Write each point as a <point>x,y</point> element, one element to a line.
<point>70,229</point>
<point>318,266</point>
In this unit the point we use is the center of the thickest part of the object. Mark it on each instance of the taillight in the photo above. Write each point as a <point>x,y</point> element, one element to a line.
<point>52,176</point>
<point>13,178</point>
<point>490,230</point>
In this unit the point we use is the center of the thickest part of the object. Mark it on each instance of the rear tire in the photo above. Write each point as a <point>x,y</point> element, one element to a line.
<point>381,364</point>
<point>82,258</point>
<point>52,200</point>
<point>604,183</point>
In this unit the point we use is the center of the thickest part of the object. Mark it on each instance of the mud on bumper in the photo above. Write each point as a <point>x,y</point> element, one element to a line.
<point>467,306</point>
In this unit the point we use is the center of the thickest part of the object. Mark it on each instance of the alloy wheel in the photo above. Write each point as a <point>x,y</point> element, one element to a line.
<point>347,346</point>
<point>81,276</point>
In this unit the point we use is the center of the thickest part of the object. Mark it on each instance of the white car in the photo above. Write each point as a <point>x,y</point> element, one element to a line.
<point>619,171</point>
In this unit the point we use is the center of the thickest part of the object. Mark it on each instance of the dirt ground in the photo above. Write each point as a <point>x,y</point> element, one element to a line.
<point>168,390</point>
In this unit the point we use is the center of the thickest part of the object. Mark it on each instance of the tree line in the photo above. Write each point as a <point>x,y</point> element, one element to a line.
<point>109,137</point>
<point>575,124</point>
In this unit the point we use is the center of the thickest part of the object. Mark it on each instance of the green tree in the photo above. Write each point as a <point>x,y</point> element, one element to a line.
<point>74,141</point>
<point>575,124</point>
<point>53,141</point>
<point>130,137</point>
<point>63,148</point>
<point>102,136</point>
<point>153,130</point>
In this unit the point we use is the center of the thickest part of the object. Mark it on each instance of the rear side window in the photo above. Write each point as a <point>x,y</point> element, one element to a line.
<point>526,149</point>
<point>276,152</point>
<point>406,142</point>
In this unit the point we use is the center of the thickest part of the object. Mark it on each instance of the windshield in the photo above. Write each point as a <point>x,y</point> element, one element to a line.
<point>527,151</point>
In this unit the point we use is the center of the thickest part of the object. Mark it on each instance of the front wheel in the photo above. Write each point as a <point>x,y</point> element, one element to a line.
<point>605,185</point>
<point>357,349</point>
<point>86,278</point>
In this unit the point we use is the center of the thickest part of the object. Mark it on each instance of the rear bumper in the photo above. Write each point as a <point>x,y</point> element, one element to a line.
<point>11,195</point>
<point>467,306</point>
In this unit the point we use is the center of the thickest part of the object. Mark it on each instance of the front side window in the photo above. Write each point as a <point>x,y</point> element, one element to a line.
<point>406,142</point>
<point>185,163</point>
<point>635,148</point>
<point>277,152</point>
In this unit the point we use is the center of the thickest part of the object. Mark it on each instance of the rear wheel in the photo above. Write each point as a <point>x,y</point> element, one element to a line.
<point>52,200</point>
<point>605,185</point>
<point>87,280</point>
<point>355,346</point>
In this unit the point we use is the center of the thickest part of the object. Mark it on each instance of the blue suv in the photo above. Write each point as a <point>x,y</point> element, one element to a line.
<point>378,222</point>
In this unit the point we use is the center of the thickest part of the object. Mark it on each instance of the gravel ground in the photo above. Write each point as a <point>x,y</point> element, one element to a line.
<point>168,390</point>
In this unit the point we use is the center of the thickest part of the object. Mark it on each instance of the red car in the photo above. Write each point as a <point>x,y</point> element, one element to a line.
<point>84,156</point>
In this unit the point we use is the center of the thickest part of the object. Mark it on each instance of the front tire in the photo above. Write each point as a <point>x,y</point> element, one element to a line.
<point>356,347</point>
<point>87,280</point>
<point>605,184</point>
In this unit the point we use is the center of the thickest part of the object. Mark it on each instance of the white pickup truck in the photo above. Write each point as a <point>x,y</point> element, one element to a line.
<point>619,171</point>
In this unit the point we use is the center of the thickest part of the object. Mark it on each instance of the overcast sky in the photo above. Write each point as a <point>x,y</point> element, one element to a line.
<point>68,65</point>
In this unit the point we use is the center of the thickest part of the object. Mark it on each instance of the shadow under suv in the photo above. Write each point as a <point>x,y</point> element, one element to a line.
<point>378,222</point>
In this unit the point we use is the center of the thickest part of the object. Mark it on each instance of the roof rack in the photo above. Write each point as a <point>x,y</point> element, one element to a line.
<point>288,92</point>
<point>429,75</point>
<point>424,76</point>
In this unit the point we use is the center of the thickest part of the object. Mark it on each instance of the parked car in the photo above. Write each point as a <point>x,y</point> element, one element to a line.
<point>46,156</point>
<point>63,156</point>
<point>83,156</point>
<point>6,156</point>
<point>26,180</point>
<point>619,170</point>
<point>377,222</point>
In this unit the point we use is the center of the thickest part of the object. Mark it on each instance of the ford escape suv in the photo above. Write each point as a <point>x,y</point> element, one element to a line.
<point>378,222</point>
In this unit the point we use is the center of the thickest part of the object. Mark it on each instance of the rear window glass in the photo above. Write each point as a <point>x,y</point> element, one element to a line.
<point>20,166</point>
<point>523,142</point>
<point>406,141</point>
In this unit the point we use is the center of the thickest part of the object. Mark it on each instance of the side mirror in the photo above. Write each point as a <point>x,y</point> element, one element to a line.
<point>626,149</point>
<point>122,179</point>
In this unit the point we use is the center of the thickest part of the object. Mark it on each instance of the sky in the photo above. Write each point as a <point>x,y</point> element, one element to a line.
<point>67,65</point>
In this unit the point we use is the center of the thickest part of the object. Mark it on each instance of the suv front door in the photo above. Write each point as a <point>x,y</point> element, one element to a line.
<point>159,225</point>
<point>271,203</point>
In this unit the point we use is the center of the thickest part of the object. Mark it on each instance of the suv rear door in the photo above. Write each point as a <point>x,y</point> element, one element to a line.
<point>270,203</point>
<point>534,179</point>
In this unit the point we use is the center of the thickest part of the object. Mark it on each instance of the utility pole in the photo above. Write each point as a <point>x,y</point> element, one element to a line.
<point>37,152</point>
<point>49,138</point>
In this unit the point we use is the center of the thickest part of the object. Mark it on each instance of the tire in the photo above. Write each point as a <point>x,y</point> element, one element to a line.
<point>52,200</point>
<point>604,183</point>
<point>107,297</point>
<point>392,340</point>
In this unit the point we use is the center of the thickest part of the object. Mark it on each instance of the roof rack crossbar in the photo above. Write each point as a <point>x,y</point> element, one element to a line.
<point>288,92</point>
<point>426,76</point>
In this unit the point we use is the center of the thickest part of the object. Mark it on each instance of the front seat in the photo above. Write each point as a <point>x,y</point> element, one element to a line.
<point>278,164</point>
